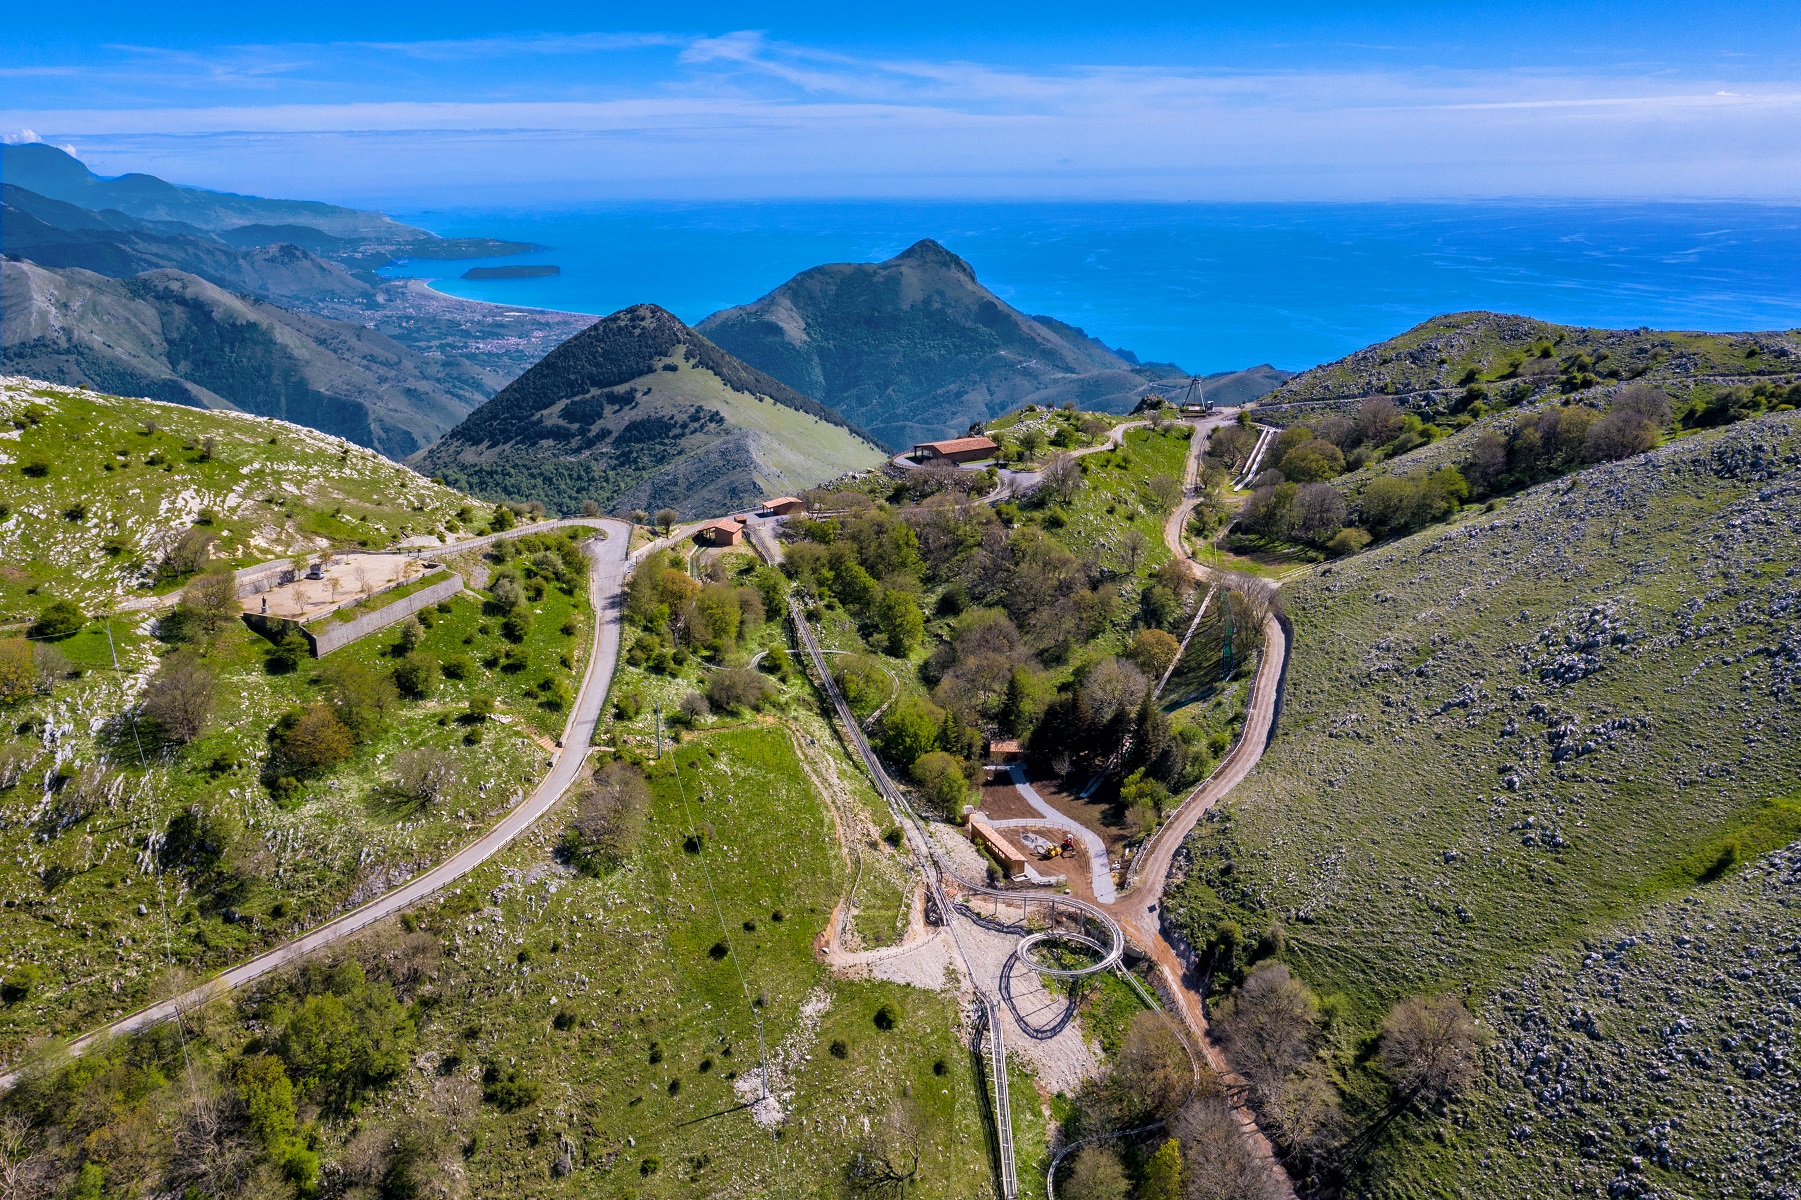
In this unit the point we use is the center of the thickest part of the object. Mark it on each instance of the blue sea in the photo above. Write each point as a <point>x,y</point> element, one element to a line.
<point>1210,287</point>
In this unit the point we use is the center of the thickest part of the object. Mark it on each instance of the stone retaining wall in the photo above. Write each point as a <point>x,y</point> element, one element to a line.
<point>338,634</point>
<point>265,577</point>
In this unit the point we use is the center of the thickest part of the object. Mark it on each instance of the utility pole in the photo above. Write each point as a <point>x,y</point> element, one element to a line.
<point>659,709</point>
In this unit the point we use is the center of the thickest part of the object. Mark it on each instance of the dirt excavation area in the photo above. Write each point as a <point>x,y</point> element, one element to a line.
<point>342,579</point>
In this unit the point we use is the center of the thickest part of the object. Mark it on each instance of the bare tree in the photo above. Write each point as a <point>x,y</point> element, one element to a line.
<point>423,775</point>
<point>1149,1079</point>
<point>179,699</point>
<point>212,599</point>
<point>885,1163</point>
<point>1269,1027</point>
<point>1219,1162</point>
<point>1646,401</point>
<point>1165,490</point>
<point>189,554</point>
<point>1062,477</point>
<point>1132,549</point>
<point>1431,1047</point>
<point>609,814</point>
<point>1318,512</point>
<point>22,1172</point>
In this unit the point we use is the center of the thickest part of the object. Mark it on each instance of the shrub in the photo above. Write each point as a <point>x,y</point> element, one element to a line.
<point>423,774</point>
<point>416,675</point>
<point>310,740</point>
<point>694,707</point>
<point>59,618</point>
<point>457,666</point>
<point>1347,541</point>
<point>737,687</point>
<point>507,1090</point>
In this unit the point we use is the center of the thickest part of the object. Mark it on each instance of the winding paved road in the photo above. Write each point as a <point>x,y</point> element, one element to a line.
<point>610,566</point>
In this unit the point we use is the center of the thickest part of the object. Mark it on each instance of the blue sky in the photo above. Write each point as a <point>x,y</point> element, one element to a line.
<point>552,104</point>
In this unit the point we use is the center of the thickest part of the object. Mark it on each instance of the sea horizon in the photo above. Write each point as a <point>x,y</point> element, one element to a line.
<point>1208,286</point>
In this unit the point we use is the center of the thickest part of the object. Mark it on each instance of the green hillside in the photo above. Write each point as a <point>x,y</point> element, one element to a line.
<point>97,500</point>
<point>1502,740</point>
<point>639,411</point>
<point>1443,365</point>
<point>177,793</point>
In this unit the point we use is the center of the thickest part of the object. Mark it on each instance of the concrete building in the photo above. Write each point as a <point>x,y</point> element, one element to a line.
<point>723,532</point>
<point>957,450</point>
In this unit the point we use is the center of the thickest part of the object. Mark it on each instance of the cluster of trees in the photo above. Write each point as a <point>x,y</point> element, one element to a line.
<point>1152,1078</point>
<point>868,560</point>
<point>681,615</point>
<point>1063,428</point>
<point>167,1114</point>
<point>1553,440</point>
<point>29,668</point>
<point>1289,1046</point>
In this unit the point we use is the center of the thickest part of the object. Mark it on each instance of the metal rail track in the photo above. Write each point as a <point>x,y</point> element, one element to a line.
<point>936,870</point>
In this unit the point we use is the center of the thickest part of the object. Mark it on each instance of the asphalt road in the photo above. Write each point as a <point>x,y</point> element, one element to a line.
<point>610,566</point>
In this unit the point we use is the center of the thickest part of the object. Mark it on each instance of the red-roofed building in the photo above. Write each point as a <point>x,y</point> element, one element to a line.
<point>783,506</point>
<point>724,532</point>
<point>958,450</point>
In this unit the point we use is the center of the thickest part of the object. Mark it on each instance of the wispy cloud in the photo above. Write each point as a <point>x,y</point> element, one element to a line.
<point>749,112</point>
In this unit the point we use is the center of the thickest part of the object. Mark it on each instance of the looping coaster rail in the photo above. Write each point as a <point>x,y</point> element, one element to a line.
<point>1039,916</point>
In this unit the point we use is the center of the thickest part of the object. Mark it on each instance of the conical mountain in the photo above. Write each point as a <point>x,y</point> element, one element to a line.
<point>916,348</point>
<point>640,411</point>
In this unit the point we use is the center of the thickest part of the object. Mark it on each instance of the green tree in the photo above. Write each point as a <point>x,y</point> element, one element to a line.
<point>1163,1173</point>
<point>59,618</point>
<point>909,728</point>
<point>312,739</point>
<point>1312,462</point>
<point>717,615</point>
<point>362,699</point>
<point>416,675</point>
<point>941,781</point>
<point>268,1097</point>
<point>1097,1175</point>
<point>341,1042</point>
<point>897,615</point>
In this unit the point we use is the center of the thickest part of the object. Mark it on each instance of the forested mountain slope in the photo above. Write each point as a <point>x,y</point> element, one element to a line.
<point>172,336</point>
<point>639,411</point>
<point>915,348</point>
<point>1501,740</point>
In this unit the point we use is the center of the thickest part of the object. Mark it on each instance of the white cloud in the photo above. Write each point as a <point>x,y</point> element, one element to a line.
<point>741,113</point>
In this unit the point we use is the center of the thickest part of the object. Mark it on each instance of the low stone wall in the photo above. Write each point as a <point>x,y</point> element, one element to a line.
<point>266,577</point>
<point>338,634</point>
